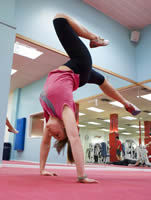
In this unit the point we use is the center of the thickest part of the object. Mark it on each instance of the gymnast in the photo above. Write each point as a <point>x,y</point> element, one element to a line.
<point>57,98</point>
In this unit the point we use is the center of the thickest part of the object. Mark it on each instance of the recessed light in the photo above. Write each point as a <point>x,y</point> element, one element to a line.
<point>149,113</point>
<point>27,51</point>
<point>116,103</point>
<point>81,125</point>
<point>103,129</point>
<point>147,97</point>
<point>136,126</point>
<point>138,131</point>
<point>126,133</point>
<point>107,120</point>
<point>81,114</point>
<point>129,118</point>
<point>95,109</point>
<point>121,128</point>
<point>94,123</point>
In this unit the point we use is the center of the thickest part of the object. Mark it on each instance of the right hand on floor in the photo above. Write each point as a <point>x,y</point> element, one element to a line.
<point>46,173</point>
<point>88,180</point>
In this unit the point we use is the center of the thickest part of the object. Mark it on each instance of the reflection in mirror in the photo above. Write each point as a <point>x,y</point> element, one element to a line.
<point>95,124</point>
<point>26,68</point>
<point>148,85</point>
<point>37,124</point>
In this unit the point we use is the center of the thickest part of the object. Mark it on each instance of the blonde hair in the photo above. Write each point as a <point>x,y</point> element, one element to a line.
<point>60,146</point>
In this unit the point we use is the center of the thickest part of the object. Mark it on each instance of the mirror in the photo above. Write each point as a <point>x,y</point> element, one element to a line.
<point>95,126</point>
<point>34,71</point>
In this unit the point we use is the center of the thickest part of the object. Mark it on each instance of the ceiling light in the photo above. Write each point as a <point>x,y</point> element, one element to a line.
<point>116,103</point>
<point>95,109</point>
<point>81,125</point>
<point>129,118</point>
<point>149,113</point>
<point>107,120</point>
<point>138,131</point>
<point>13,71</point>
<point>27,51</point>
<point>147,97</point>
<point>94,123</point>
<point>136,126</point>
<point>81,114</point>
<point>103,129</point>
<point>126,133</point>
<point>121,128</point>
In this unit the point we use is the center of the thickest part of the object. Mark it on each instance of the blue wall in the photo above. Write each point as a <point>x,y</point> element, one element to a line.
<point>143,55</point>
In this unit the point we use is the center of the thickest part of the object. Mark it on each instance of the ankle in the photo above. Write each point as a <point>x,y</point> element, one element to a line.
<point>94,37</point>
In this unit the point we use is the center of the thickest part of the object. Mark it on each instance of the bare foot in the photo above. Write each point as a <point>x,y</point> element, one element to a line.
<point>13,130</point>
<point>98,42</point>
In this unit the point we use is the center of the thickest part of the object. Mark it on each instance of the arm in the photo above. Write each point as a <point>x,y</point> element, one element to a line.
<point>44,150</point>
<point>76,146</point>
<point>73,136</point>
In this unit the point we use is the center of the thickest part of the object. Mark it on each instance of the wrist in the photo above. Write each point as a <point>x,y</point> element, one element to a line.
<point>41,170</point>
<point>81,178</point>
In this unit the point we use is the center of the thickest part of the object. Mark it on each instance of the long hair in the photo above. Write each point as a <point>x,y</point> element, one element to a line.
<point>60,146</point>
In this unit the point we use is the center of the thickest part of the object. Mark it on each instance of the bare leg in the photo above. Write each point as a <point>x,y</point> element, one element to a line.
<point>118,157</point>
<point>107,88</point>
<point>10,127</point>
<point>83,32</point>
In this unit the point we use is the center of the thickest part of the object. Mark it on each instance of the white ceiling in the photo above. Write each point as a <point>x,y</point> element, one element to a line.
<point>133,14</point>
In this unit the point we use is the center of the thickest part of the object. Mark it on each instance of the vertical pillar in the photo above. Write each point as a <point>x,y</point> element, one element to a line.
<point>112,136</point>
<point>7,38</point>
<point>147,136</point>
<point>140,134</point>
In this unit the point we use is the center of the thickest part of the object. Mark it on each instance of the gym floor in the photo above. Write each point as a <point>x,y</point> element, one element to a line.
<point>21,180</point>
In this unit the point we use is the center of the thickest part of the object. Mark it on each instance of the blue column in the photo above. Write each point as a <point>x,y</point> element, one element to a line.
<point>7,38</point>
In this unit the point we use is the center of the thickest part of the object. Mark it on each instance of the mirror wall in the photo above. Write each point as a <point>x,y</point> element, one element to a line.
<point>94,126</point>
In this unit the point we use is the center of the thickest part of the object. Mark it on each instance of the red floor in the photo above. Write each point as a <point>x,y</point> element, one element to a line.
<point>27,184</point>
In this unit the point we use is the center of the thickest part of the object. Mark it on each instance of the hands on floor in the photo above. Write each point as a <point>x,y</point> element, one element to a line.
<point>46,173</point>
